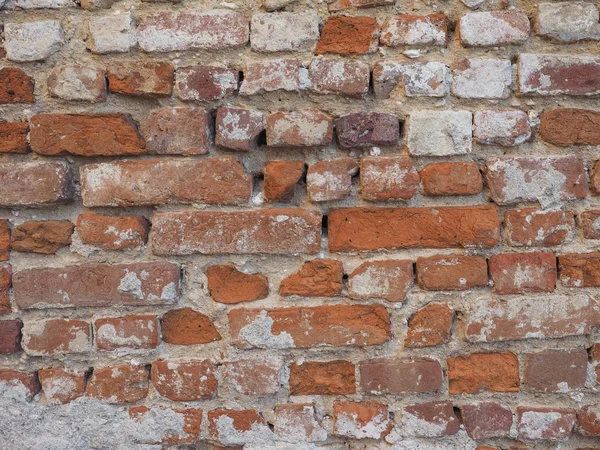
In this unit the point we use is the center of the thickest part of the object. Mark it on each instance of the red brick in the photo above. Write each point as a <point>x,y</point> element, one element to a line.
<point>366,129</point>
<point>451,178</point>
<point>548,424</point>
<point>297,422</point>
<point>344,77</point>
<point>179,131</point>
<point>203,83</point>
<point>353,229</point>
<point>5,283</point>
<point>510,319</point>
<point>388,178</point>
<point>409,29</point>
<point>400,375</point>
<point>281,178</point>
<point>237,427</point>
<point>239,128</point>
<point>15,86</point>
<point>61,386</point>
<point>487,420</point>
<point>112,233</point>
<point>184,381</point>
<point>452,272</point>
<point>28,381</point>
<point>361,420</point>
<point>141,78</point>
<point>56,336</point>
<point>97,285</point>
<point>548,180</point>
<point>305,327</point>
<point>330,180</point>
<point>430,326</point>
<point>558,74</point>
<point>79,83</point>
<point>272,75</point>
<point>215,29</point>
<point>187,431</point>
<point>506,128</point>
<point>349,36</point>
<point>188,327</point>
<point>477,372</point>
<point>588,419</point>
<point>316,278</point>
<point>34,183</point>
<point>595,179</point>
<point>45,237</point>
<point>86,135</point>
<point>273,231</point>
<point>556,370</point>
<point>13,137</point>
<point>118,384</point>
<point>302,128</point>
<point>579,270</point>
<point>433,419</point>
<point>570,126</point>
<point>388,279</point>
<point>10,336</point>
<point>139,331</point>
<point>537,228</point>
<point>4,240</point>
<point>253,377</point>
<point>520,273</point>
<point>219,180</point>
<point>228,285</point>
<point>493,28</point>
<point>589,224</point>
<point>322,378</point>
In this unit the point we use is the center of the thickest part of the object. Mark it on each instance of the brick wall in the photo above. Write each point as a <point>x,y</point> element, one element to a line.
<point>354,225</point>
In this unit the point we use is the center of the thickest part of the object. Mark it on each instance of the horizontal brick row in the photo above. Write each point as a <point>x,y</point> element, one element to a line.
<point>216,29</point>
<point>474,78</point>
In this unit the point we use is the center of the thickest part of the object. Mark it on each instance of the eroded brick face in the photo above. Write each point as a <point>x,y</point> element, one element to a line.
<point>285,225</point>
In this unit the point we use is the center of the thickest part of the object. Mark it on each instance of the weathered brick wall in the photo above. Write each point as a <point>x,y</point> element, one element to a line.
<point>363,224</point>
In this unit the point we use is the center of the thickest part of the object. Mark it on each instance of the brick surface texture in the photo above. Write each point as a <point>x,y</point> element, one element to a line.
<point>298,225</point>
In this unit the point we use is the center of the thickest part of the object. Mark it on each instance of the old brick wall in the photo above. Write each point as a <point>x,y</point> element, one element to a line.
<point>363,224</point>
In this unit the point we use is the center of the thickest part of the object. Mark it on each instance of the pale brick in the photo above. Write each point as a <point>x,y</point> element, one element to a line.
<point>34,183</point>
<point>296,422</point>
<point>334,76</point>
<point>548,180</point>
<point>284,31</point>
<point>40,4</point>
<point>559,74</point>
<point>178,131</point>
<point>219,180</point>
<point>419,79</point>
<point>272,231</point>
<point>214,29</point>
<point>482,78</point>
<point>406,29</point>
<point>330,180</point>
<point>202,83</point>
<point>492,28</point>
<point>568,21</point>
<point>433,419</point>
<point>342,5</point>
<point>513,318</point>
<point>112,34</point>
<point>78,83</point>
<point>238,128</point>
<point>548,424</point>
<point>33,41</point>
<point>302,128</point>
<point>439,133</point>
<point>388,178</point>
<point>270,76</point>
<point>387,279</point>
<point>501,127</point>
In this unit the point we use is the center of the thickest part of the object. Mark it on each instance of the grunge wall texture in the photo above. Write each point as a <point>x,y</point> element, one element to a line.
<point>365,224</point>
